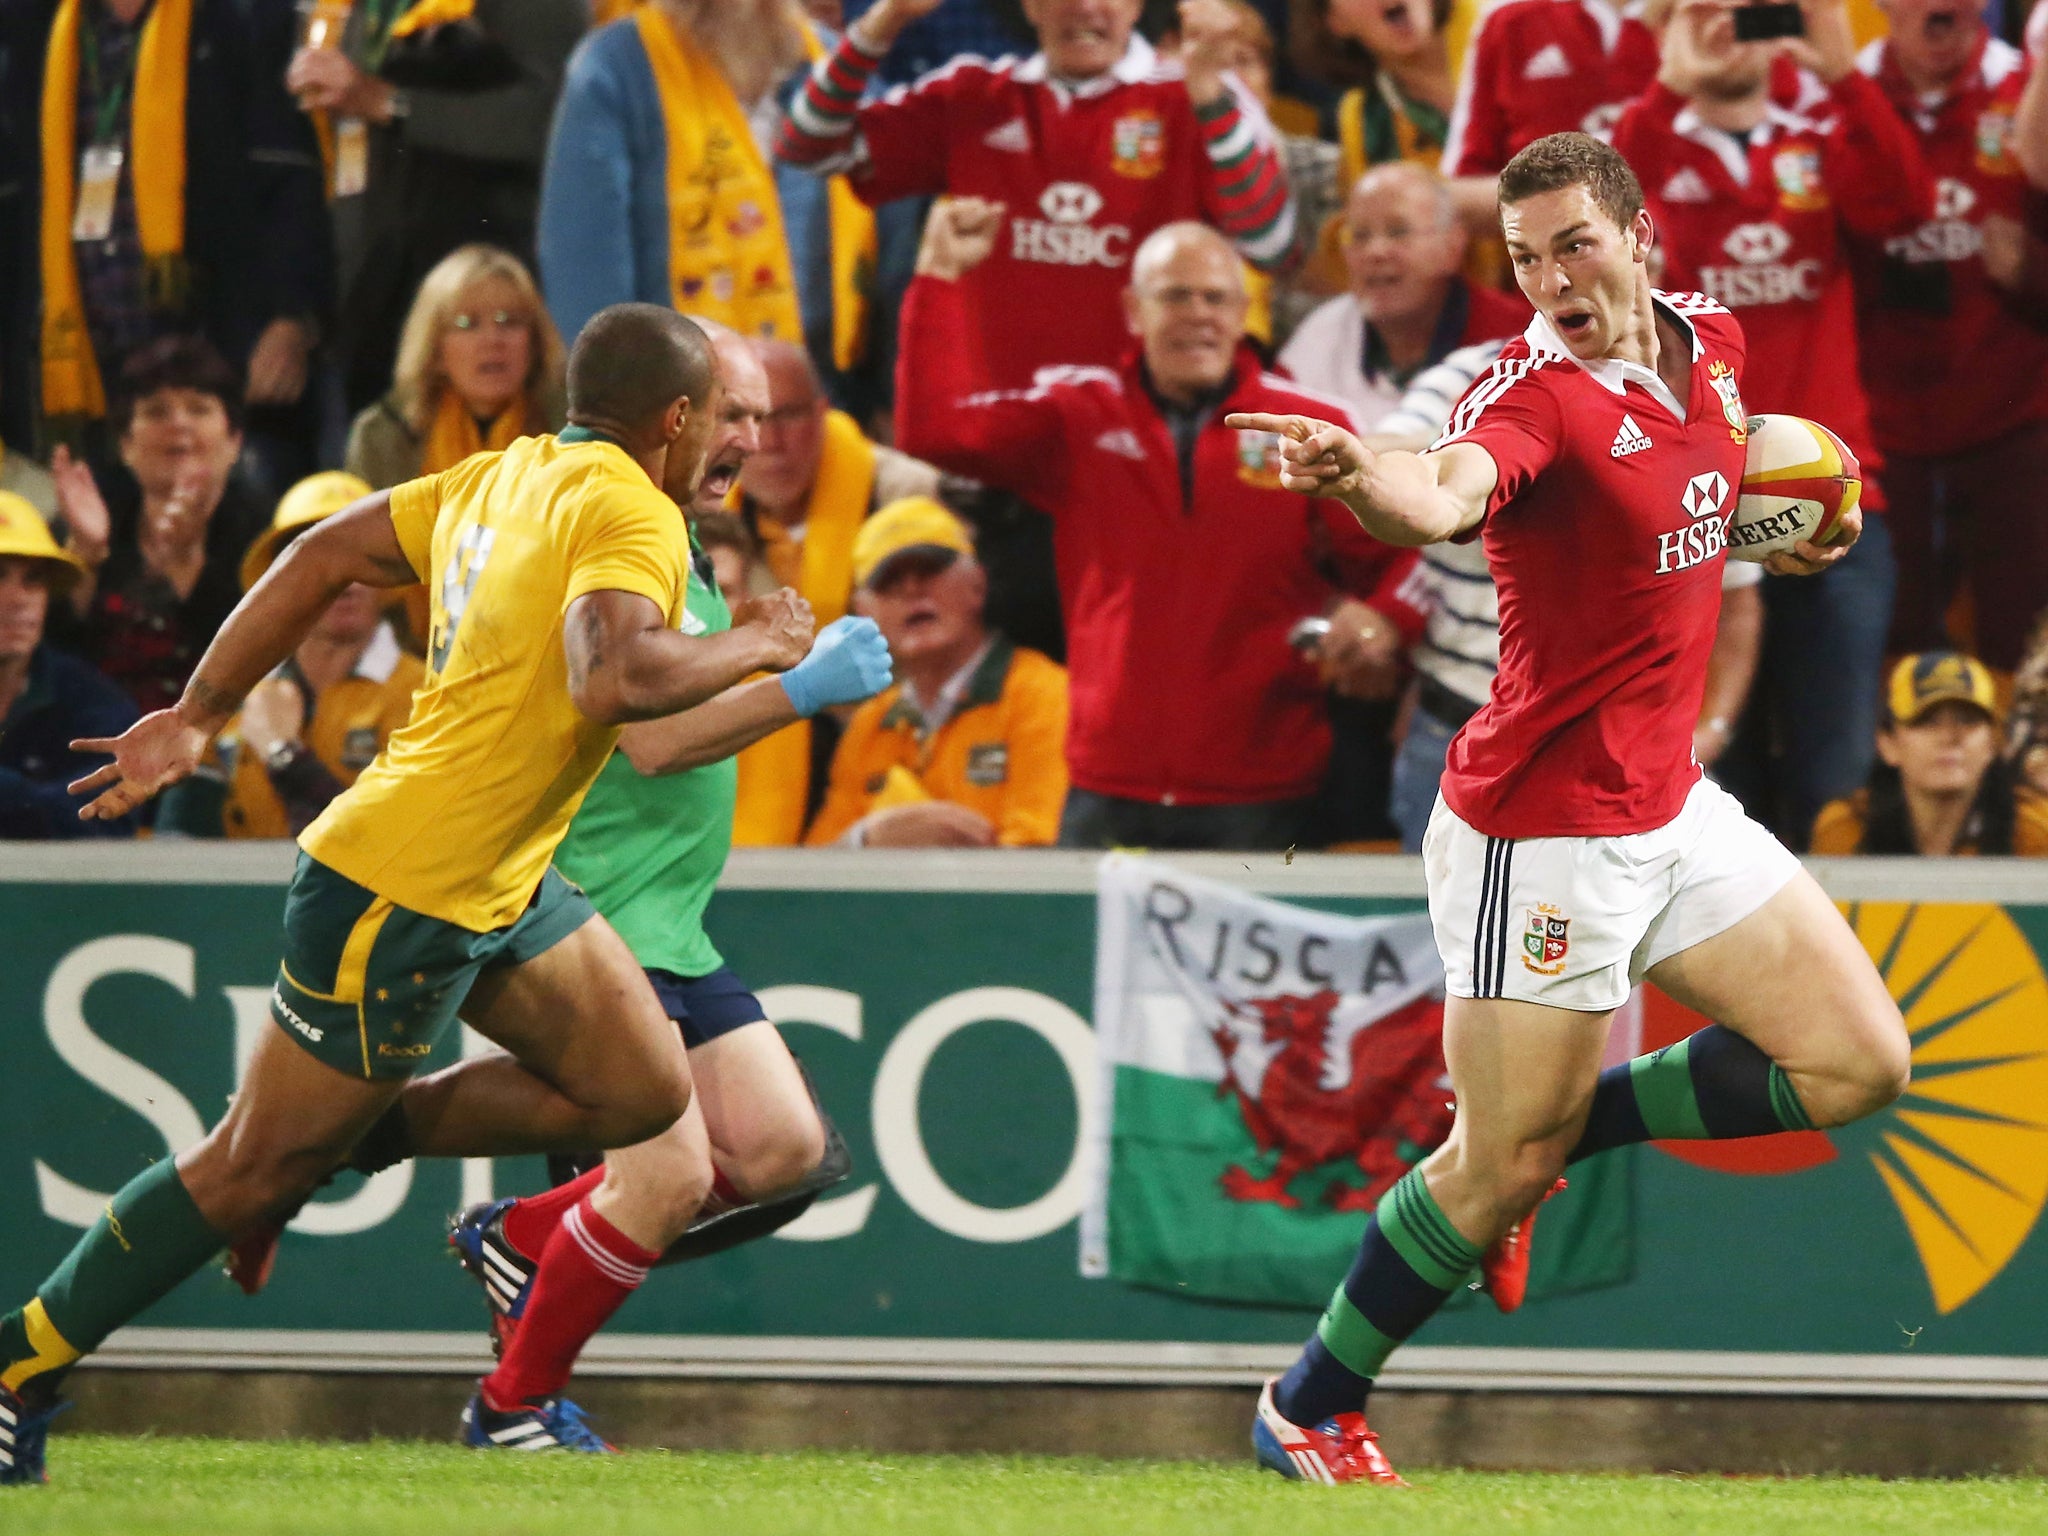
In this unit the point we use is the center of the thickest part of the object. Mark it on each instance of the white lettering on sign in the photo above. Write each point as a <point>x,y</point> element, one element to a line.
<point>114,1074</point>
<point>906,1163</point>
<point>899,1139</point>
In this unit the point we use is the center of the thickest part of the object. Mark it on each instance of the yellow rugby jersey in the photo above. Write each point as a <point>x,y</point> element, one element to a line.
<point>460,815</point>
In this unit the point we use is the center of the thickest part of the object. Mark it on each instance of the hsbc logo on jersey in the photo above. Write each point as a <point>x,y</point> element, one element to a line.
<point>1065,237</point>
<point>1754,243</point>
<point>1949,235</point>
<point>1759,277</point>
<point>1706,536</point>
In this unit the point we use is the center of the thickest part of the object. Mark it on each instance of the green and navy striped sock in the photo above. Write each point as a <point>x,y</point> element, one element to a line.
<point>1409,1261</point>
<point>1710,1086</point>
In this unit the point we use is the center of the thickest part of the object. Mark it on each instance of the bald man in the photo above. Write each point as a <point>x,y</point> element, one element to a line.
<point>1183,566</point>
<point>559,572</point>
<point>815,479</point>
<point>1408,307</point>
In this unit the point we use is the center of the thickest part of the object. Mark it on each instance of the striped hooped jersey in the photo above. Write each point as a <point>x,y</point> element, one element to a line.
<point>1085,172</point>
<point>1606,537</point>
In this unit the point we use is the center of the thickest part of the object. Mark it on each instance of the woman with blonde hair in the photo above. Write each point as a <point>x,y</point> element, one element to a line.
<point>479,365</point>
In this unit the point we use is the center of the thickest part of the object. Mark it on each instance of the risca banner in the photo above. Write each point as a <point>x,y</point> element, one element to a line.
<point>1267,1072</point>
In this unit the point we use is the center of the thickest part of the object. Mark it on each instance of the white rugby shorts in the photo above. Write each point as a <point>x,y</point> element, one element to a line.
<point>1575,922</point>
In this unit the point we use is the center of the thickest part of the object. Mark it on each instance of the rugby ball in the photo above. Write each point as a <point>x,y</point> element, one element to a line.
<point>1797,482</point>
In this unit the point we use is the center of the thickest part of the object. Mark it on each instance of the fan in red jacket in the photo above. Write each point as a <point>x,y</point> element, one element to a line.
<point>1953,319</point>
<point>1753,203</point>
<point>1091,144</point>
<point>1182,564</point>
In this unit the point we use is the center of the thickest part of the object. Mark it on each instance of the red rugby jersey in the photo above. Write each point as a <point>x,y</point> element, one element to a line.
<point>1538,67</point>
<point>1950,359</point>
<point>1085,172</point>
<point>1760,230</point>
<point>1606,535</point>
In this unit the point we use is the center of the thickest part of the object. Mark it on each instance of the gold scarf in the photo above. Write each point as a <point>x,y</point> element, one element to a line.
<point>719,181</point>
<point>72,385</point>
<point>821,566</point>
<point>453,435</point>
<point>774,790</point>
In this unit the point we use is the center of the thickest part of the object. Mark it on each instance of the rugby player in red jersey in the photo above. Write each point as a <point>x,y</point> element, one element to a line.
<point>1577,847</point>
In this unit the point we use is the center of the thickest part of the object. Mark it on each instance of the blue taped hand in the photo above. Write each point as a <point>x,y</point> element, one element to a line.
<point>849,661</point>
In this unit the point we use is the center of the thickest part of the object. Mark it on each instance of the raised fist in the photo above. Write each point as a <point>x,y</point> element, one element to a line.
<point>959,236</point>
<point>785,621</point>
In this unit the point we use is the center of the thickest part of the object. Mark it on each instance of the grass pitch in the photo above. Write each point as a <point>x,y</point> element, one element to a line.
<point>149,1487</point>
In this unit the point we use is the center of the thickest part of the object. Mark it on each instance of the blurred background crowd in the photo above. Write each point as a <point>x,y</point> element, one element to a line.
<point>1010,263</point>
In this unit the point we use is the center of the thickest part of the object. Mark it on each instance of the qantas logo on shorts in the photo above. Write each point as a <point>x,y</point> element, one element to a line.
<point>1546,940</point>
<point>290,1017</point>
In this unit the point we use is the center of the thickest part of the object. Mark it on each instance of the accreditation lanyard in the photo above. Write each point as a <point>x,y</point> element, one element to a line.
<point>351,154</point>
<point>99,164</point>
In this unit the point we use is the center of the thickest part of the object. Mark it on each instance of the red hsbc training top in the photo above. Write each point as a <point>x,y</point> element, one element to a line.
<point>1085,172</point>
<point>1951,360</point>
<point>1606,534</point>
<point>1759,228</point>
<point>1545,66</point>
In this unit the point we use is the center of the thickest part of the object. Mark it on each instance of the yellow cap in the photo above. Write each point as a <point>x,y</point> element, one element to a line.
<point>915,522</point>
<point>1935,677</point>
<point>313,498</point>
<point>25,536</point>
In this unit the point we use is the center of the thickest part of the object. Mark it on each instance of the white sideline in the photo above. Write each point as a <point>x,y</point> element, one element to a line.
<point>1086,1362</point>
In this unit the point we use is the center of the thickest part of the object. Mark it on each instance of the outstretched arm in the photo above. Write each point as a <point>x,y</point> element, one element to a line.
<point>850,662</point>
<point>1399,498</point>
<point>626,664</point>
<point>358,544</point>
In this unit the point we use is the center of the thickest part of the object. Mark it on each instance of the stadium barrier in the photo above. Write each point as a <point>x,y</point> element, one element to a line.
<point>942,1001</point>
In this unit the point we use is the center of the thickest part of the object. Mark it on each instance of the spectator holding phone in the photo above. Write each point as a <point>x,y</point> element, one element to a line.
<point>1754,204</point>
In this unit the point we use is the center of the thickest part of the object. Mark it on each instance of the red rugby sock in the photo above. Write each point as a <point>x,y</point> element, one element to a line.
<point>532,1221</point>
<point>586,1271</point>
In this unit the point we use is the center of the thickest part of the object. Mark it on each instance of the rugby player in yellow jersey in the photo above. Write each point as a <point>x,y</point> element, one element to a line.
<point>558,571</point>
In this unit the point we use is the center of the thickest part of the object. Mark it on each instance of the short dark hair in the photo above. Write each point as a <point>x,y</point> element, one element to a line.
<point>631,361</point>
<point>176,362</point>
<point>1574,160</point>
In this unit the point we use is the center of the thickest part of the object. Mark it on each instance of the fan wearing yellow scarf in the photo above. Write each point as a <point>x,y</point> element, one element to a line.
<point>814,481</point>
<point>479,366</point>
<point>660,185</point>
<point>177,192</point>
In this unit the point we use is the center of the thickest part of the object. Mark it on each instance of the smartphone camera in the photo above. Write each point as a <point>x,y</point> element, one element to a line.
<point>1768,22</point>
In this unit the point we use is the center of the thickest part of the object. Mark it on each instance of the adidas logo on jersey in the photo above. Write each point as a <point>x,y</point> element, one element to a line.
<point>1122,442</point>
<point>1688,186</point>
<point>1630,439</point>
<point>1012,136</point>
<point>1548,64</point>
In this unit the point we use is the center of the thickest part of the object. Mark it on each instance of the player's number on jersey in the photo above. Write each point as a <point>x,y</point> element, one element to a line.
<point>465,564</point>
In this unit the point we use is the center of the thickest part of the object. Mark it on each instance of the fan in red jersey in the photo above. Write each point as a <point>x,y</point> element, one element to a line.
<point>1754,204</point>
<point>1090,144</point>
<point>1545,66</point>
<point>1953,318</point>
<point>1576,847</point>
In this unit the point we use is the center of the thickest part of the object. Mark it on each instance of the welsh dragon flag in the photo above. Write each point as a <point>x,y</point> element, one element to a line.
<point>1268,1072</point>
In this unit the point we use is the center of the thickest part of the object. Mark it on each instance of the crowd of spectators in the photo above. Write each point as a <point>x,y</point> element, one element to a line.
<point>1006,266</point>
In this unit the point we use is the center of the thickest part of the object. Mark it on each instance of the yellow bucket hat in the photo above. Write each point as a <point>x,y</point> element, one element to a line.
<point>312,499</point>
<point>25,536</point>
